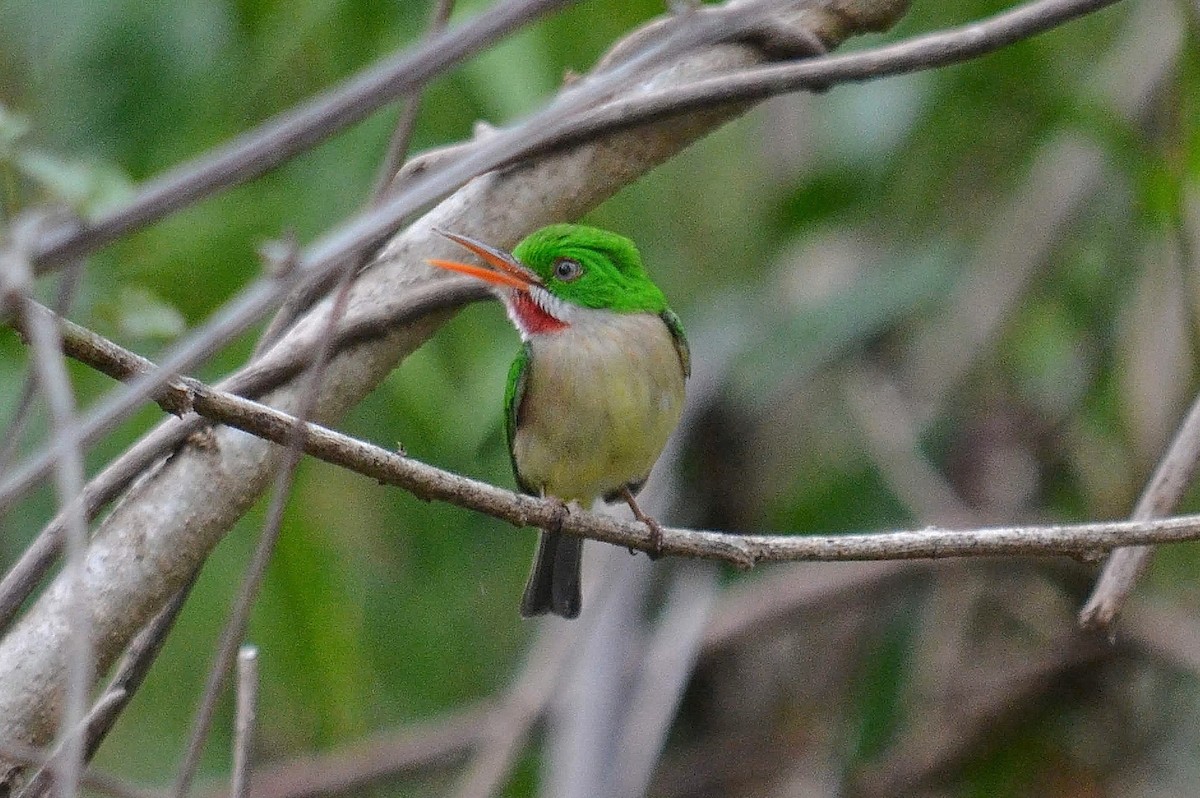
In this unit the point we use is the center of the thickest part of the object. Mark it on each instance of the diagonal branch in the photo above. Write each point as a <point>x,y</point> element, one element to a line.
<point>1163,492</point>
<point>943,48</point>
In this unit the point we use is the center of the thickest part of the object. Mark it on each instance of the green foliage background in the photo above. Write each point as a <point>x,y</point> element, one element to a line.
<point>380,609</point>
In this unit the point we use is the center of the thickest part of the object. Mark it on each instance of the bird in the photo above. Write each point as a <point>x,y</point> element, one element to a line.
<point>596,388</point>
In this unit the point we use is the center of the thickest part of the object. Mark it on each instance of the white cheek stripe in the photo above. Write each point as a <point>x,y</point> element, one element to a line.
<point>560,309</point>
<point>551,304</point>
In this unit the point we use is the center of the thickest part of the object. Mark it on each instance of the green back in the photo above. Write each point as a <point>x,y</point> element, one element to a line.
<point>681,345</point>
<point>514,393</point>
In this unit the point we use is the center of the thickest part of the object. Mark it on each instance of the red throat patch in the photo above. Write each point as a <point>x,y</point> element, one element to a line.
<point>531,317</point>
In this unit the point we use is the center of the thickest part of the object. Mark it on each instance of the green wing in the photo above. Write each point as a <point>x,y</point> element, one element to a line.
<point>681,345</point>
<point>514,395</point>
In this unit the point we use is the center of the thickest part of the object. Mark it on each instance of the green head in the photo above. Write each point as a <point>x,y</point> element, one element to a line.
<point>591,267</point>
<point>559,269</point>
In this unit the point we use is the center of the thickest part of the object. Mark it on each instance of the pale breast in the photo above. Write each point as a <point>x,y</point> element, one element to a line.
<point>601,399</point>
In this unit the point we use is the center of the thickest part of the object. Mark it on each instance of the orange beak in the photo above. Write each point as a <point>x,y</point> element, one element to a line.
<point>508,272</point>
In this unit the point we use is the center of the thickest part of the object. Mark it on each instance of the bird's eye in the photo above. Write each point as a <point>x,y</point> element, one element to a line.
<point>567,270</point>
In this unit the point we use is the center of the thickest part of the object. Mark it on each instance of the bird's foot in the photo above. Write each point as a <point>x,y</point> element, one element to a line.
<point>656,530</point>
<point>561,511</point>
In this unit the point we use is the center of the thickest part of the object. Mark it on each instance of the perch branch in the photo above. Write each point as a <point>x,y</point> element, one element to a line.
<point>427,482</point>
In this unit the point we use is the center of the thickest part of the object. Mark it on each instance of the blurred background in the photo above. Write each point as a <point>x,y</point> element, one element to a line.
<point>964,296</point>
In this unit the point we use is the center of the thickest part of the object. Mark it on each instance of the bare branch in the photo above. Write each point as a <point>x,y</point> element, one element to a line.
<point>50,368</point>
<point>919,53</point>
<point>1086,540</point>
<point>247,710</point>
<point>235,627</point>
<point>28,755</point>
<point>1163,493</point>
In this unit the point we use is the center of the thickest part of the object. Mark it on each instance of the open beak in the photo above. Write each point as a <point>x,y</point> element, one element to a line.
<point>508,272</point>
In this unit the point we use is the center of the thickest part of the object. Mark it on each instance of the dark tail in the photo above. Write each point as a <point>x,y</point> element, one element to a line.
<point>553,584</point>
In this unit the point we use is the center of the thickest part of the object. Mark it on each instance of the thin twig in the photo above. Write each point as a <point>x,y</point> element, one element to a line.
<point>50,367</point>
<point>101,782</point>
<point>273,524</point>
<point>1162,494</point>
<point>247,711</point>
<point>68,286</point>
<point>397,150</point>
<point>235,627</point>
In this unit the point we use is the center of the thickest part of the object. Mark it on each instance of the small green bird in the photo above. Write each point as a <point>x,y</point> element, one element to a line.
<point>596,389</point>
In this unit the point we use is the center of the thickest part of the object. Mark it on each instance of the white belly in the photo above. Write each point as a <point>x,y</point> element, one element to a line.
<point>601,399</point>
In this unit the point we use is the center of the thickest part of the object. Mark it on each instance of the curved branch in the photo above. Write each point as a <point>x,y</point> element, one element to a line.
<point>943,48</point>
